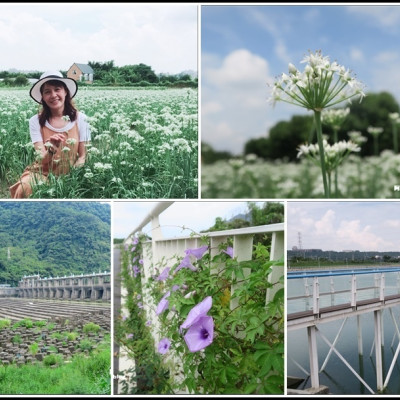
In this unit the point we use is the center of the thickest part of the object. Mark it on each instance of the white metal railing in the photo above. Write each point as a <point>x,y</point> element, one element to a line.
<point>158,249</point>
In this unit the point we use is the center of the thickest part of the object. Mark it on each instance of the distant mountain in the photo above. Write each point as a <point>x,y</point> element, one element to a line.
<point>246,217</point>
<point>190,72</point>
<point>54,238</point>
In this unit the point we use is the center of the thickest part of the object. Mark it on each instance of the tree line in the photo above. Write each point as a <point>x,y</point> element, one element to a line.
<point>108,74</point>
<point>282,140</point>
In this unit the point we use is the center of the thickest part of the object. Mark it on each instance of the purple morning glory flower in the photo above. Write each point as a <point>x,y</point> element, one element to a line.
<point>124,317</point>
<point>136,241</point>
<point>126,247</point>
<point>148,323</point>
<point>229,251</point>
<point>139,296</point>
<point>200,334</point>
<point>175,288</point>
<point>129,336</point>
<point>198,311</point>
<point>133,248</point>
<point>140,304</point>
<point>164,275</point>
<point>141,261</point>
<point>163,304</point>
<point>134,259</point>
<point>198,253</point>
<point>186,263</point>
<point>136,271</point>
<point>163,346</point>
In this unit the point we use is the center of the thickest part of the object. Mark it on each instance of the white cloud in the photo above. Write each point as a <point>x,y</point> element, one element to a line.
<point>383,16</point>
<point>392,223</point>
<point>239,69</point>
<point>356,237</point>
<point>324,226</point>
<point>356,54</point>
<point>211,107</point>
<point>234,99</point>
<point>275,29</point>
<point>385,57</point>
<point>162,36</point>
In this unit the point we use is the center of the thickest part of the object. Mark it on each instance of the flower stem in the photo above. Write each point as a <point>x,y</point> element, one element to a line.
<point>336,139</point>
<point>318,127</point>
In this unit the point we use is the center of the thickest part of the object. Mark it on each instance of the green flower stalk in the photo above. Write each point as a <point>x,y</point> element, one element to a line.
<point>335,118</point>
<point>375,132</point>
<point>322,84</point>
<point>334,155</point>
<point>395,118</point>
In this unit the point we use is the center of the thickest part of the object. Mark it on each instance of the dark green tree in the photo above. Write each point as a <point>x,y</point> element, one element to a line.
<point>209,155</point>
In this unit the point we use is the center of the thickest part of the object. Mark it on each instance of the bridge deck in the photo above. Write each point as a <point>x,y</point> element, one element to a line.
<point>340,307</point>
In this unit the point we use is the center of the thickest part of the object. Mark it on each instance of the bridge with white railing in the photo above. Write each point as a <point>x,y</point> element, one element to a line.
<point>367,290</point>
<point>159,248</point>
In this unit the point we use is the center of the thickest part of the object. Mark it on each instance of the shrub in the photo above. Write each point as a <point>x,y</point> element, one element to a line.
<point>40,324</point>
<point>91,327</point>
<point>52,359</point>
<point>72,336</point>
<point>17,339</point>
<point>50,326</point>
<point>56,335</point>
<point>5,323</point>
<point>34,348</point>
<point>85,344</point>
<point>26,322</point>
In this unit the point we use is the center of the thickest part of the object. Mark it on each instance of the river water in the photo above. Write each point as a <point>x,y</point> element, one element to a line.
<point>336,375</point>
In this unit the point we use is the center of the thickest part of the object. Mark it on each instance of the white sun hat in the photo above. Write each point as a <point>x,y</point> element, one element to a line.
<point>48,76</point>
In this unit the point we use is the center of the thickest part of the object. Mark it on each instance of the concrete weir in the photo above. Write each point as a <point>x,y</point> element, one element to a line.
<point>89,287</point>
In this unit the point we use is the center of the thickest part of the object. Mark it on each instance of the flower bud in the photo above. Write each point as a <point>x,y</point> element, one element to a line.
<point>292,69</point>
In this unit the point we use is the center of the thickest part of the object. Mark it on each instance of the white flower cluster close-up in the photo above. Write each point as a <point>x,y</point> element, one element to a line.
<point>322,84</point>
<point>334,154</point>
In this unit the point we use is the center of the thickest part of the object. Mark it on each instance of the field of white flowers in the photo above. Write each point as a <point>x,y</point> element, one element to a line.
<point>144,144</point>
<point>368,177</point>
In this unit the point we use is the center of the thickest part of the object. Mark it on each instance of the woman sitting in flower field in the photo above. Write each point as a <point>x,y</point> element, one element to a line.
<point>59,132</point>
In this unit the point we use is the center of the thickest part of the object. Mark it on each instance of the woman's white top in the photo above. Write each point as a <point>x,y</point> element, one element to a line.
<point>83,128</point>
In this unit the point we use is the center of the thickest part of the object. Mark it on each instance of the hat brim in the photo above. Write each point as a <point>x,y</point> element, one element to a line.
<point>35,89</point>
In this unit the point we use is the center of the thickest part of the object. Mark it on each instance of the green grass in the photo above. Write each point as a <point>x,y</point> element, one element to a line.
<point>84,375</point>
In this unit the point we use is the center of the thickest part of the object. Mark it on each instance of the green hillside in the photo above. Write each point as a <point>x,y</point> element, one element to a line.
<point>54,238</point>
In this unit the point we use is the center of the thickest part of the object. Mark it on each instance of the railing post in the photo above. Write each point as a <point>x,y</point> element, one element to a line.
<point>313,354</point>
<point>242,250</point>
<point>359,336</point>
<point>277,251</point>
<point>306,290</point>
<point>378,349</point>
<point>382,287</point>
<point>353,291</point>
<point>315,295</point>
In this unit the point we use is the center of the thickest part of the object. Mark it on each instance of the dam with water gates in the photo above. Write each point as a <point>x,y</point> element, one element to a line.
<point>343,332</point>
<point>84,287</point>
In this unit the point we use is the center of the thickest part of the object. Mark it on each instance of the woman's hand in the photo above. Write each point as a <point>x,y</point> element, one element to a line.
<point>56,139</point>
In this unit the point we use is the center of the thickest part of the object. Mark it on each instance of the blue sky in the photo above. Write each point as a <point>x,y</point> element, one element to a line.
<point>191,214</point>
<point>48,36</point>
<point>243,48</point>
<point>345,225</point>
